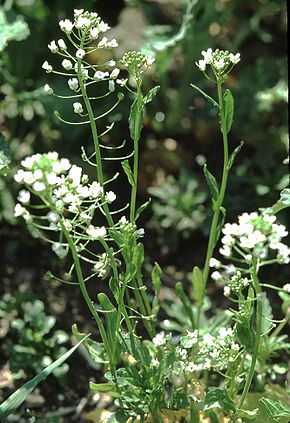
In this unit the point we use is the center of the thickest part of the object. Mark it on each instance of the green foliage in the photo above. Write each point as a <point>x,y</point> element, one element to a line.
<point>180,205</point>
<point>18,397</point>
<point>17,30</point>
<point>36,344</point>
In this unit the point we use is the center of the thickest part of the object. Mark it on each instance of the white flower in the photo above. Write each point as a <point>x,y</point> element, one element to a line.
<point>111,63</point>
<point>94,32</point>
<point>201,64</point>
<point>154,362</point>
<point>96,190</point>
<point>47,89</point>
<point>269,218</point>
<point>19,176</point>
<point>123,221</point>
<point>59,250</point>
<point>235,346</point>
<point>75,174</point>
<point>122,82</point>
<point>38,186</point>
<point>225,251</point>
<point>78,12</point>
<point>224,332</point>
<point>95,232</point>
<point>191,367</point>
<point>219,63</point>
<point>110,196</point>
<point>53,47</point>
<point>52,178</point>
<point>53,217</point>
<point>19,210</point>
<point>215,353</point>
<point>73,83</point>
<point>111,86</point>
<point>23,196</point>
<point>207,55</point>
<point>103,42</point>
<point>78,108</point>
<point>99,75</point>
<point>208,339</point>
<point>287,288</point>
<point>159,339</point>
<point>216,276</point>
<point>235,58</point>
<point>62,44</point>
<point>214,263</point>
<point>227,291</point>
<point>113,43</point>
<point>80,54</point>
<point>103,27</point>
<point>83,23</point>
<point>47,67</point>
<point>115,73</point>
<point>150,60</point>
<point>67,64</point>
<point>66,25</point>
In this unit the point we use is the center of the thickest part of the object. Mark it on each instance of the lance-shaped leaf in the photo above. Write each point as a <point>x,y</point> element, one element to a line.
<point>136,119</point>
<point>198,285</point>
<point>128,171</point>
<point>228,110</point>
<point>142,208</point>
<point>213,187</point>
<point>206,96</point>
<point>18,397</point>
<point>234,154</point>
<point>150,95</point>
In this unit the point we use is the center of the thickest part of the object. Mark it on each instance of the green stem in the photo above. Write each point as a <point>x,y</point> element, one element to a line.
<point>94,130</point>
<point>255,354</point>
<point>212,237</point>
<point>87,298</point>
<point>136,155</point>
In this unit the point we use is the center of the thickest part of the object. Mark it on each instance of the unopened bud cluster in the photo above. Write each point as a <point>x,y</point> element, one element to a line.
<point>137,63</point>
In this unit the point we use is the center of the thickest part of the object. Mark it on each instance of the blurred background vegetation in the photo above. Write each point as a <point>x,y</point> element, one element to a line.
<point>180,131</point>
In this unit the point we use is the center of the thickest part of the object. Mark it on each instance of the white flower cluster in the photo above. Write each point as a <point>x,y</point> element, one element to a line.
<point>255,235</point>
<point>219,60</point>
<point>64,189</point>
<point>90,29</point>
<point>196,353</point>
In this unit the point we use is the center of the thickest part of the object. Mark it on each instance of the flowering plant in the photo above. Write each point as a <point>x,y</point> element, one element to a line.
<point>169,375</point>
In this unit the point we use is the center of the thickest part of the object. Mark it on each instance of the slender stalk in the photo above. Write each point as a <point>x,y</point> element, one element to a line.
<point>219,203</point>
<point>94,130</point>
<point>136,154</point>
<point>255,354</point>
<point>87,298</point>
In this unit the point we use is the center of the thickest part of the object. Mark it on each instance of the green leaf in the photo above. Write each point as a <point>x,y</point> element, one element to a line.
<point>128,171</point>
<point>136,119</point>
<point>212,183</point>
<point>141,209</point>
<point>207,97</point>
<point>218,398</point>
<point>103,387</point>
<point>136,348</point>
<point>198,285</point>
<point>111,317</point>
<point>150,95</point>
<point>228,110</point>
<point>156,282</point>
<point>5,155</point>
<point>246,335</point>
<point>266,313</point>
<point>95,349</point>
<point>272,410</point>
<point>234,154</point>
<point>18,30</point>
<point>18,397</point>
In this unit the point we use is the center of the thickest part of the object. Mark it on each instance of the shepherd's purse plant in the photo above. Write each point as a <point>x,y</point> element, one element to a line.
<point>200,366</point>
